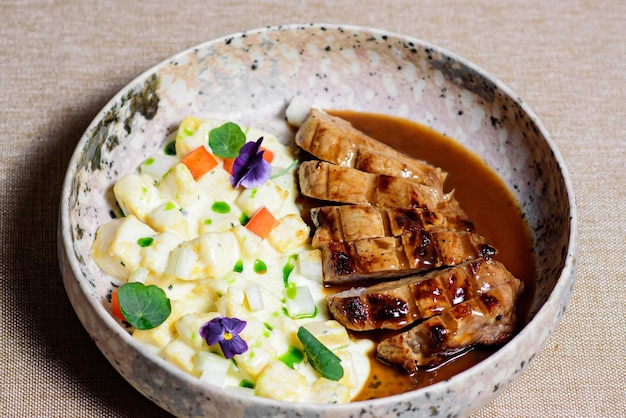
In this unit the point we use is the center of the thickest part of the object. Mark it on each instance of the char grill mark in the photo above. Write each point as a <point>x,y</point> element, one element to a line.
<point>410,299</point>
<point>487,319</point>
<point>333,139</point>
<point>377,259</point>
<point>354,222</point>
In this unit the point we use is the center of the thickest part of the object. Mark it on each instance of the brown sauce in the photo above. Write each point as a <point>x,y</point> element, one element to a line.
<point>489,204</point>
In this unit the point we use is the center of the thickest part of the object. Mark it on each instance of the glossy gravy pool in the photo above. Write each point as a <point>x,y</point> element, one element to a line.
<point>491,207</point>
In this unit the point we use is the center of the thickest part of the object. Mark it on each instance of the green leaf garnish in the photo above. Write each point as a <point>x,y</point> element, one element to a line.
<point>319,356</point>
<point>226,140</point>
<point>144,307</point>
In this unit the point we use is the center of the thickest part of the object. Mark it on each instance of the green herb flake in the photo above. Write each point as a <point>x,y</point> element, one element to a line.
<point>144,307</point>
<point>244,219</point>
<point>149,161</point>
<point>170,148</point>
<point>170,206</point>
<point>226,140</point>
<point>319,356</point>
<point>220,207</point>
<point>145,242</point>
<point>246,384</point>
<point>238,266</point>
<point>208,221</point>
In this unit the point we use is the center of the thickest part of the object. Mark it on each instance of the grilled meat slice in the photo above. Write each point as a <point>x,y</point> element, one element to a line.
<point>335,140</point>
<point>487,319</point>
<point>354,222</point>
<point>396,304</point>
<point>331,182</point>
<point>384,258</point>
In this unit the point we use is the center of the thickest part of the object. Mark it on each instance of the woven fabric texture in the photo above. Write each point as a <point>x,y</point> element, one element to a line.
<point>61,61</point>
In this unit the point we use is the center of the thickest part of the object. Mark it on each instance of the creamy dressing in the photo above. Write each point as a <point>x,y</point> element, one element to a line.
<point>209,264</point>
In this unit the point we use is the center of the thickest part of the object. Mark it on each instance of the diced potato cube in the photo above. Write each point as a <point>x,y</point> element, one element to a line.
<point>155,257</point>
<point>115,248</point>
<point>328,391</point>
<point>290,233</point>
<point>188,327</point>
<point>137,195</point>
<point>330,333</point>
<point>179,353</point>
<point>251,245</point>
<point>269,195</point>
<point>179,186</point>
<point>193,132</point>
<point>349,379</point>
<point>218,252</point>
<point>256,359</point>
<point>232,303</point>
<point>160,336</point>
<point>168,217</point>
<point>310,265</point>
<point>280,382</point>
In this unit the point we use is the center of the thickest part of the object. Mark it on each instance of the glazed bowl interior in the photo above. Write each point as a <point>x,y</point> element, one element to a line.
<point>251,78</point>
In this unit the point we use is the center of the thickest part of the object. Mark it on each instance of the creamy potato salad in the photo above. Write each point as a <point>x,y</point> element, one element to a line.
<point>217,272</point>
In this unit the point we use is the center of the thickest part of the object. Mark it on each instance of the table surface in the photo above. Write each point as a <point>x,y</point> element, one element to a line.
<point>61,61</point>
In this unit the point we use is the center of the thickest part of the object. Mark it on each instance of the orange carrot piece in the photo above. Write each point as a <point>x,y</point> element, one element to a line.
<point>199,162</point>
<point>116,310</point>
<point>228,165</point>
<point>228,162</point>
<point>267,155</point>
<point>262,223</point>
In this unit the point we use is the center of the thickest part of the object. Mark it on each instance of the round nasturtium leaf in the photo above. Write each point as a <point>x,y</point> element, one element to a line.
<point>226,140</point>
<point>144,307</point>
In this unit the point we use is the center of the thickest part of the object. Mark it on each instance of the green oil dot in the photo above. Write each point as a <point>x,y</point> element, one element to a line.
<point>220,207</point>
<point>260,267</point>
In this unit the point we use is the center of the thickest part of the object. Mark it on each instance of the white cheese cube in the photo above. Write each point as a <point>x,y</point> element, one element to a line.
<point>193,132</point>
<point>116,249</point>
<point>137,195</point>
<point>290,233</point>
<point>179,186</point>
<point>256,359</point>
<point>280,382</point>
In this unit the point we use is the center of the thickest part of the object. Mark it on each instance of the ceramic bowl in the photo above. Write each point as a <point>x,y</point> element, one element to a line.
<point>251,77</point>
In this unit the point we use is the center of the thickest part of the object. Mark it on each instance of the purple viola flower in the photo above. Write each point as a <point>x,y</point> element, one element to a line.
<point>249,168</point>
<point>225,331</point>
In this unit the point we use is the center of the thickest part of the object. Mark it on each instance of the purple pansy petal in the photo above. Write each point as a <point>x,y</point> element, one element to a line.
<point>212,331</point>
<point>249,168</point>
<point>225,331</point>
<point>233,325</point>
<point>258,173</point>
<point>236,345</point>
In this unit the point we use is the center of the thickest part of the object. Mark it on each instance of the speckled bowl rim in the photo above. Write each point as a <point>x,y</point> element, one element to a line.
<point>564,283</point>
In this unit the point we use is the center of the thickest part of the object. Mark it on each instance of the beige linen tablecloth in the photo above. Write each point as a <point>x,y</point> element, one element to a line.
<point>61,61</point>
